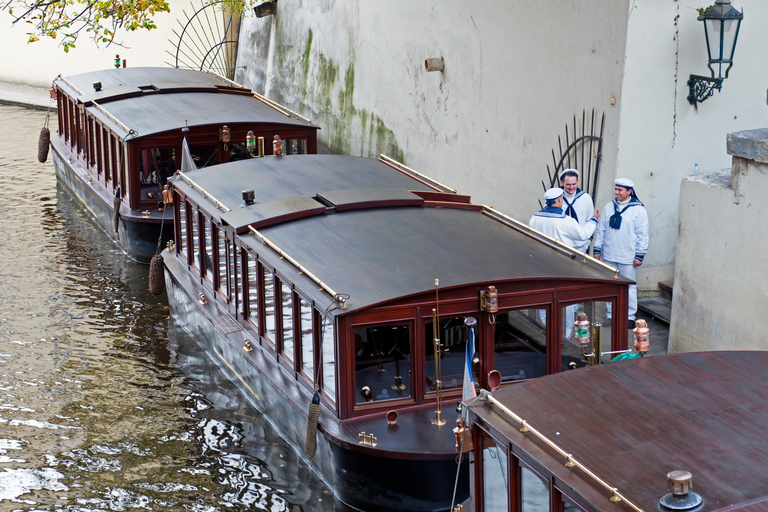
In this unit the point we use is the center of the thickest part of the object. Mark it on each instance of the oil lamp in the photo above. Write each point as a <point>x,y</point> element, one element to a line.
<point>581,325</point>
<point>641,330</point>
<point>250,141</point>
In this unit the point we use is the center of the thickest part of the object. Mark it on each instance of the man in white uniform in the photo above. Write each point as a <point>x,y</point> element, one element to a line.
<point>576,203</point>
<point>552,221</point>
<point>621,240</point>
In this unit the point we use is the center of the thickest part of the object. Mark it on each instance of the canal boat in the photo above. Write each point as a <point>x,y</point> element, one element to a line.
<point>670,433</point>
<point>317,281</point>
<point>119,139</point>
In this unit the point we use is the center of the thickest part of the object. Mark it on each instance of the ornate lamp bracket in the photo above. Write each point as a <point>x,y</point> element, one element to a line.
<point>701,88</point>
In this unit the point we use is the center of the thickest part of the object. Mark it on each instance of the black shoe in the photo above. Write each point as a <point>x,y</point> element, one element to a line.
<point>631,324</point>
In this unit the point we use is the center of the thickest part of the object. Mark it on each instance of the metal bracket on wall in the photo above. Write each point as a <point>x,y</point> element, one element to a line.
<point>701,88</point>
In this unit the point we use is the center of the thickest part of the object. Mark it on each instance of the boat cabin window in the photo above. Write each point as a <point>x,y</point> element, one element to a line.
<point>222,260</point>
<point>253,290</point>
<point>454,334</point>
<point>236,277</point>
<point>534,492</point>
<point>183,239</point>
<point>207,244</point>
<point>382,363</point>
<point>571,352</point>
<point>203,156</point>
<point>286,321</point>
<point>520,344</point>
<point>307,348</point>
<point>194,220</point>
<point>155,166</point>
<point>295,147</point>
<point>328,358</point>
<point>269,304</point>
<point>495,476</point>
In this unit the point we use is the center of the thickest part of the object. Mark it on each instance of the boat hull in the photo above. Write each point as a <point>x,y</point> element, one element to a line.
<point>363,478</point>
<point>137,236</point>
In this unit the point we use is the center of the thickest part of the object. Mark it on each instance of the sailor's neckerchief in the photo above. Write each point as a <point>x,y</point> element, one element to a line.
<point>550,211</point>
<point>569,206</point>
<point>615,220</point>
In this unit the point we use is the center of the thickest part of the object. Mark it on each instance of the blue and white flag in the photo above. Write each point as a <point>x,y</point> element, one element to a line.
<point>469,383</point>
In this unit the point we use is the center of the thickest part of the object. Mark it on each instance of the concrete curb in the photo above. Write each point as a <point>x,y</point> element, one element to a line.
<point>25,96</point>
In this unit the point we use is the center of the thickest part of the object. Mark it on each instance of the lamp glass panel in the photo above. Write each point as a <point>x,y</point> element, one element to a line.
<point>713,29</point>
<point>730,30</point>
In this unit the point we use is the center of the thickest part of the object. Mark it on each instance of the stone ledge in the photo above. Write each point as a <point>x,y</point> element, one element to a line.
<point>749,144</point>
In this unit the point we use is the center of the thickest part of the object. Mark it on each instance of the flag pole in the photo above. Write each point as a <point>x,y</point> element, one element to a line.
<point>436,340</point>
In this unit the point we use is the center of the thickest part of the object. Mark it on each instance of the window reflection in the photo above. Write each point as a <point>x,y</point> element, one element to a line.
<point>183,227</point>
<point>286,299</point>
<point>534,492</point>
<point>208,248</point>
<point>520,344</point>
<point>253,291</point>
<point>269,305</point>
<point>382,363</point>
<point>307,350</point>
<point>222,261</point>
<point>495,478</point>
<point>571,352</point>
<point>453,340</point>
<point>195,238</point>
<point>329,358</point>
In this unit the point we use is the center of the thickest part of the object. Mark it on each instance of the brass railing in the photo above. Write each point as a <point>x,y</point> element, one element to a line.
<point>404,167</point>
<point>191,183</point>
<point>570,462</point>
<point>302,268</point>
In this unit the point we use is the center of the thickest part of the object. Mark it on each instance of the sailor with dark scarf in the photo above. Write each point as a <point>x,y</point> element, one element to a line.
<point>552,221</point>
<point>576,203</point>
<point>621,239</point>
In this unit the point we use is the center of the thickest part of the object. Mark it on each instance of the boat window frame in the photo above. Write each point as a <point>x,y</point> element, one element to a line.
<point>266,340</point>
<point>479,434</point>
<point>182,231</point>
<point>287,360</point>
<point>313,339</point>
<point>218,281</point>
<point>319,373</point>
<point>253,321</point>
<point>399,316</point>
<point>207,225</point>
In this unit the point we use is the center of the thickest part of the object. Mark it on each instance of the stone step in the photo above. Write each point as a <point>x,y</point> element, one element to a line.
<point>658,307</point>
<point>666,289</point>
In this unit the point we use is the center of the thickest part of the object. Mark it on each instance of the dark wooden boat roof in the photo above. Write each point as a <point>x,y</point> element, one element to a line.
<point>632,422</point>
<point>295,186</point>
<point>376,256</point>
<point>156,100</point>
<point>364,229</point>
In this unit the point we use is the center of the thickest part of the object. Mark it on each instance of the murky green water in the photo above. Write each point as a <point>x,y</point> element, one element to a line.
<point>103,404</point>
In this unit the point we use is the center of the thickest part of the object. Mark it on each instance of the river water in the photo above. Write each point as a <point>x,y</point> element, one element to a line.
<point>105,403</point>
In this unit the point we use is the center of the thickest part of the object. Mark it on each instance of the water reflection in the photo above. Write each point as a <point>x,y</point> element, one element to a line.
<point>103,404</point>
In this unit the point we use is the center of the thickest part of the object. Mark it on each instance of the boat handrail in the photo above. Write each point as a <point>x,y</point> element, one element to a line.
<point>115,120</point>
<point>616,496</point>
<point>302,269</point>
<point>528,230</point>
<point>402,166</point>
<point>78,91</point>
<point>206,194</point>
<point>275,105</point>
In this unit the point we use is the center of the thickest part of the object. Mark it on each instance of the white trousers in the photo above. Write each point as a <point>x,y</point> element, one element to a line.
<point>630,272</point>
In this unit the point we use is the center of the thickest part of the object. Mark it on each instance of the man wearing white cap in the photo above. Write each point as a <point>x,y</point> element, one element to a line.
<point>553,222</point>
<point>621,239</point>
<point>576,203</point>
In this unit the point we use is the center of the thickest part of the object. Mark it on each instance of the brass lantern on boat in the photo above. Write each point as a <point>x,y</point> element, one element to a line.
<point>581,326</point>
<point>250,141</point>
<point>224,134</point>
<point>641,332</point>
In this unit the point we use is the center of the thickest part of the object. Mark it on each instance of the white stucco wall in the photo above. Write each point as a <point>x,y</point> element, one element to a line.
<point>721,292</point>
<point>661,135</point>
<point>515,73</point>
<point>37,64</point>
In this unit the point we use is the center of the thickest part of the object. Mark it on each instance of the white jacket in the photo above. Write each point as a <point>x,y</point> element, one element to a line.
<point>552,222</point>
<point>583,207</point>
<point>627,243</point>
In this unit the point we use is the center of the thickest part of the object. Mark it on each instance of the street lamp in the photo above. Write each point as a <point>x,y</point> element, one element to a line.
<point>721,29</point>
